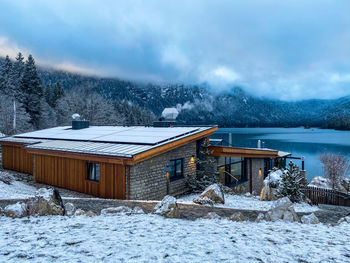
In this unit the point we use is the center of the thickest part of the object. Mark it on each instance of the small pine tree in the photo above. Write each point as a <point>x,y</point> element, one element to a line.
<point>206,173</point>
<point>291,183</point>
<point>6,78</point>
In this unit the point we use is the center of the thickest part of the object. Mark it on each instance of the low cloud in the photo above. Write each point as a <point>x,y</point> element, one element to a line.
<point>279,49</point>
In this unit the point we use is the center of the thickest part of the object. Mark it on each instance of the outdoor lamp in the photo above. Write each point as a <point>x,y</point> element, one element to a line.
<point>260,172</point>
<point>192,159</point>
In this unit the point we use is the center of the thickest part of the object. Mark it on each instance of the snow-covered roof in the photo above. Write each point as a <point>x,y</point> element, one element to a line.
<point>113,134</point>
<point>119,141</point>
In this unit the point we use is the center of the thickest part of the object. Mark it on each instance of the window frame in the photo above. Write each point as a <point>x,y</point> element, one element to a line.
<point>95,168</point>
<point>175,175</point>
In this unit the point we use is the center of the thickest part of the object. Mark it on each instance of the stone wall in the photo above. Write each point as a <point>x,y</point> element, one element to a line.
<point>148,179</point>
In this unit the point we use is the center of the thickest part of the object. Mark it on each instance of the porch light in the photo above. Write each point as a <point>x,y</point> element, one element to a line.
<point>192,159</point>
<point>260,172</point>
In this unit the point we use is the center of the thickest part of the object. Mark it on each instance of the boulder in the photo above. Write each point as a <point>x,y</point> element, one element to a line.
<point>309,219</point>
<point>79,212</point>
<point>213,193</point>
<point>116,210</point>
<point>212,215</point>
<point>90,213</point>
<point>137,210</point>
<point>69,209</point>
<point>203,201</point>
<point>47,201</point>
<point>238,217</point>
<point>16,210</point>
<point>167,207</point>
<point>6,178</point>
<point>345,219</point>
<point>282,209</point>
<point>260,217</point>
<point>271,183</point>
<point>321,182</point>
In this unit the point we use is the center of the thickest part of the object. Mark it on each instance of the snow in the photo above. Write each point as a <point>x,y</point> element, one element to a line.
<point>165,204</point>
<point>16,190</point>
<point>244,202</point>
<point>16,209</point>
<point>273,177</point>
<point>321,182</point>
<point>152,238</point>
<point>44,193</point>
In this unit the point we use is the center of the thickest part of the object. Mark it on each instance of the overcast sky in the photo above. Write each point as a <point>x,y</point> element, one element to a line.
<point>286,49</point>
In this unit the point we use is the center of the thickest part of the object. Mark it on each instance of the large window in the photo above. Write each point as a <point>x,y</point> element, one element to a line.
<point>176,169</point>
<point>93,170</point>
<point>232,170</point>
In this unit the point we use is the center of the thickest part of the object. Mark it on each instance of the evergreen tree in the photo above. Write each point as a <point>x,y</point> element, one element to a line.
<point>6,81</point>
<point>206,172</point>
<point>31,92</point>
<point>17,74</point>
<point>291,184</point>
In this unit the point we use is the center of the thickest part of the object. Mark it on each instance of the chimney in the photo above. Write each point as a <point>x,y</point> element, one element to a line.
<point>168,118</point>
<point>77,123</point>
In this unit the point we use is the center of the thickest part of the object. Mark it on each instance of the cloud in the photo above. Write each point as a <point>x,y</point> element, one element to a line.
<point>288,49</point>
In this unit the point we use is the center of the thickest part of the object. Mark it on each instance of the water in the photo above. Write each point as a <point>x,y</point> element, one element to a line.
<point>309,143</point>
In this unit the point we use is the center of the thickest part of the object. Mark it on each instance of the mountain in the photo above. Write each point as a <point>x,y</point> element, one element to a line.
<point>198,104</point>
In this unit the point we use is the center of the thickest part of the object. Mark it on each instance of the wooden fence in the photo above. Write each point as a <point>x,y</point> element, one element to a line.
<point>326,196</point>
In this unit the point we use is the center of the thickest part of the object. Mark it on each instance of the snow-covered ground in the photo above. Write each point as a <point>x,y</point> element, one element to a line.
<point>250,203</point>
<point>152,238</point>
<point>16,190</point>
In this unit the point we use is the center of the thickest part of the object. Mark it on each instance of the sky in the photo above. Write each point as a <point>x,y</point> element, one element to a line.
<point>289,50</point>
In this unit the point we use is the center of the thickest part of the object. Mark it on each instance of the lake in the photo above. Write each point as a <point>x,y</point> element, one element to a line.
<point>309,143</point>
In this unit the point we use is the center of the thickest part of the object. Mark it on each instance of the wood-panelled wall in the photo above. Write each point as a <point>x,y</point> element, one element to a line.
<point>16,158</point>
<point>72,174</point>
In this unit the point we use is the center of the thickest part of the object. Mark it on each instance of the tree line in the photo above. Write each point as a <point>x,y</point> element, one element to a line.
<point>27,104</point>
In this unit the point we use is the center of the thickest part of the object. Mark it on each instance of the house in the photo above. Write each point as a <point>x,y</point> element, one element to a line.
<point>134,162</point>
<point>108,161</point>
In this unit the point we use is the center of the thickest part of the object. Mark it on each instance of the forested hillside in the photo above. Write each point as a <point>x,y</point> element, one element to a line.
<point>47,97</point>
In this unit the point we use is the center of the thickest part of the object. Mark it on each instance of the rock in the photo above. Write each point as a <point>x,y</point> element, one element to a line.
<point>271,183</point>
<point>260,217</point>
<point>212,215</point>
<point>90,213</point>
<point>309,219</point>
<point>238,217</point>
<point>116,210</point>
<point>282,209</point>
<point>203,201</point>
<point>47,201</point>
<point>213,193</point>
<point>167,207</point>
<point>345,219</point>
<point>69,209</point>
<point>79,212</point>
<point>137,210</point>
<point>321,182</point>
<point>247,194</point>
<point>16,210</point>
<point>6,178</point>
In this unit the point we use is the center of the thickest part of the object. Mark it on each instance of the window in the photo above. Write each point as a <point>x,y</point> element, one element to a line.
<point>232,170</point>
<point>176,169</point>
<point>93,170</point>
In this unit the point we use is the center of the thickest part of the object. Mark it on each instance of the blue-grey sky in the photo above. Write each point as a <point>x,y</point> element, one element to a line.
<point>290,49</point>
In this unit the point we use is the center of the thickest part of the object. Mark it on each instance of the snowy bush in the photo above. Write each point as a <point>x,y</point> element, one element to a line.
<point>335,167</point>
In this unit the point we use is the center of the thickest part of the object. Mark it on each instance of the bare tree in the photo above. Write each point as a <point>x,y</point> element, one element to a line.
<point>335,167</point>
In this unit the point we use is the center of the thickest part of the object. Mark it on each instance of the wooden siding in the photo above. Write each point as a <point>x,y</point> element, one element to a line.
<point>72,174</point>
<point>17,159</point>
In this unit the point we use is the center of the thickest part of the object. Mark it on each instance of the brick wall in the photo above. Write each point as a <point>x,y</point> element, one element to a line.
<point>148,180</point>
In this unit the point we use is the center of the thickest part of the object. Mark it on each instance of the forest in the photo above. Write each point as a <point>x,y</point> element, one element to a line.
<point>44,97</point>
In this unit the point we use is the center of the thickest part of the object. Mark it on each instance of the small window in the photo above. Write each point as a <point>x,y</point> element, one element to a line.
<point>93,170</point>
<point>176,169</point>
